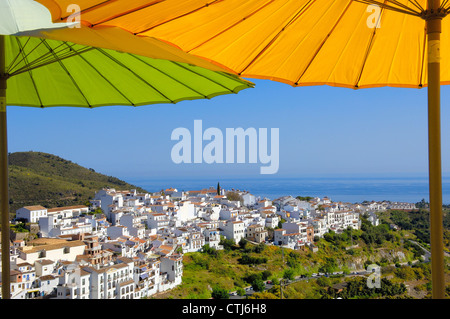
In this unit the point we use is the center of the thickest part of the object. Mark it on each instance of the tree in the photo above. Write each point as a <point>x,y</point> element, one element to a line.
<point>330,266</point>
<point>304,198</point>
<point>293,260</point>
<point>210,250</point>
<point>220,293</point>
<point>422,204</point>
<point>243,243</point>
<point>258,285</point>
<point>218,188</point>
<point>288,274</point>
<point>240,291</point>
<point>259,248</point>
<point>266,274</point>
<point>251,278</point>
<point>227,244</point>
<point>233,196</point>
<point>281,222</point>
<point>275,281</point>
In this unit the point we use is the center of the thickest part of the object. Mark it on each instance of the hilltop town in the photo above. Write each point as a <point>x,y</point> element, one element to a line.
<point>130,245</point>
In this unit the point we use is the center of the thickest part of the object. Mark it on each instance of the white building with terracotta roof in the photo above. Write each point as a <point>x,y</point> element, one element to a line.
<point>320,226</point>
<point>74,283</point>
<point>24,283</point>
<point>31,214</point>
<point>195,241</point>
<point>187,211</point>
<point>112,282</point>
<point>67,228</point>
<point>256,233</point>
<point>52,249</point>
<point>248,199</point>
<point>109,197</point>
<point>157,220</point>
<point>134,224</point>
<point>47,284</point>
<point>172,266</point>
<point>263,203</point>
<point>234,230</point>
<point>228,214</point>
<point>67,211</point>
<point>285,239</point>
<point>271,220</point>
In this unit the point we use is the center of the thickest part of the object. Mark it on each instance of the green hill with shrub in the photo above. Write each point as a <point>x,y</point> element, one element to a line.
<point>37,178</point>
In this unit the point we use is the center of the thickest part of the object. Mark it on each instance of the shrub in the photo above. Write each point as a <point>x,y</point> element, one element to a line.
<point>220,293</point>
<point>248,260</point>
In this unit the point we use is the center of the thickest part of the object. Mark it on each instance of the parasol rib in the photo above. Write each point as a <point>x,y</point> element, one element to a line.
<point>10,66</point>
<point>299,13</point>
<point>423,59</point>
<point>106,2</point>
<point>323,42</point>
<point>232,26</point>
<point>417,5</point>
<point>137,76</point>
<point>123,14</point>
<point>30,74</point>
<point>70,76</point>
<point>51,57</point>
<point>368,50</point>
<point>171,77</point>
<point>389,7</point>
<point>180,16</point>
<point>29,64</point>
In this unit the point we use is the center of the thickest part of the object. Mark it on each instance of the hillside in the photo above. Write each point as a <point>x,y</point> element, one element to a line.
<point>418,222</point>
<point>37,178</point>
<point>240,266</point>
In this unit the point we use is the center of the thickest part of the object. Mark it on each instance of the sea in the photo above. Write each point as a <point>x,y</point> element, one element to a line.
<point>352,190</point>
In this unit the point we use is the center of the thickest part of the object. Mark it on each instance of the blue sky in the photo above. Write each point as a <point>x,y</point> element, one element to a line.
<point>324,131</point>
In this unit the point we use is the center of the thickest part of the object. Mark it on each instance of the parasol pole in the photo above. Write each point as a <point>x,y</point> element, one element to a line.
<point>4,201</point>
<point>433,27</point>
